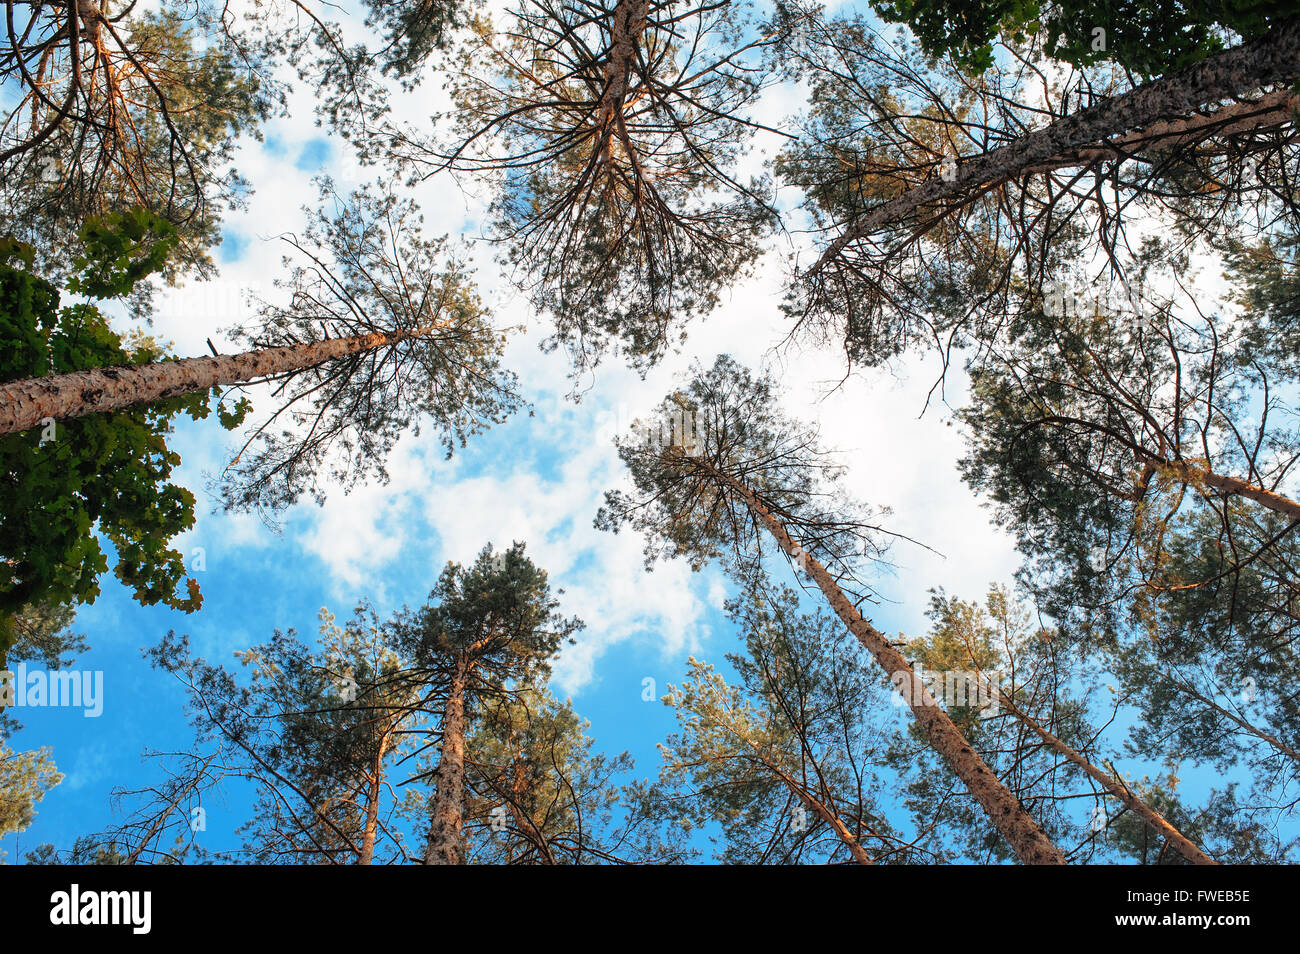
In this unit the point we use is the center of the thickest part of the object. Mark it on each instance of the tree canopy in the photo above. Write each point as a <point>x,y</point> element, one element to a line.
<point>1078,223</point>
<point>108,474</point>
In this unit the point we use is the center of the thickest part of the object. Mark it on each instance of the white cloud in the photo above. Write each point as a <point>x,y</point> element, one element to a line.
<point>91,764</point>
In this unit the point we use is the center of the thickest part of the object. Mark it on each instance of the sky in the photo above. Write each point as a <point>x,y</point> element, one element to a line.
<point>538,478</point>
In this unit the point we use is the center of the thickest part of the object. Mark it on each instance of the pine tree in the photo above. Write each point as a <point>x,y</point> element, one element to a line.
<point>1025,703</point>
<point>753,473</point>
<point>610,134</point>
<point>489,629</point>
<point>110,108</point>
<point>538,793</point>
<point>380,331</point>
<point>25,777</point>
<point>785,760</point>
<point>947,201</point>
<point>318,729</point>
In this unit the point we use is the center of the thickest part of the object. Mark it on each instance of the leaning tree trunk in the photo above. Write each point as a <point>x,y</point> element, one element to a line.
<point>1156,140</point>
<point>447,809</point>
<point>824,811</point>
<point>1185,846</point>
<point>1232,485</point>
<point>1009,817</point>
<point>29,402</point>
<point>1183,470</point>
<point>1270,59</point>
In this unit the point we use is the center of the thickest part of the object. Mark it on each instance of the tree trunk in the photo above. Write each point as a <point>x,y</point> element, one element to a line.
<point>372,807</point>
<point>824,811</point>
<point>1009,817</point>
<point>1231,485</point>
<point>1179,468</point>
<point>28,402</point>
<point>1270,59</point>
<point>1259,733</point>
<point>627,24</point>
<point>1267,112</point>
<point>1185,846</point>
<point>447,811</point>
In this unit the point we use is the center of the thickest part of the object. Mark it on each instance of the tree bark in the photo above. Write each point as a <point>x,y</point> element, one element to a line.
<point>1009,817</point>
<point>447,811</point>
<point>372,807</point>
<point>1185,846</point>
<point>1270,59</point>
<point>1267,112</point>
<point>628,23</point>
<point>26,403</point>
<point>1232,485</point>
<point>824,811</point>
<point>1259,733</point>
